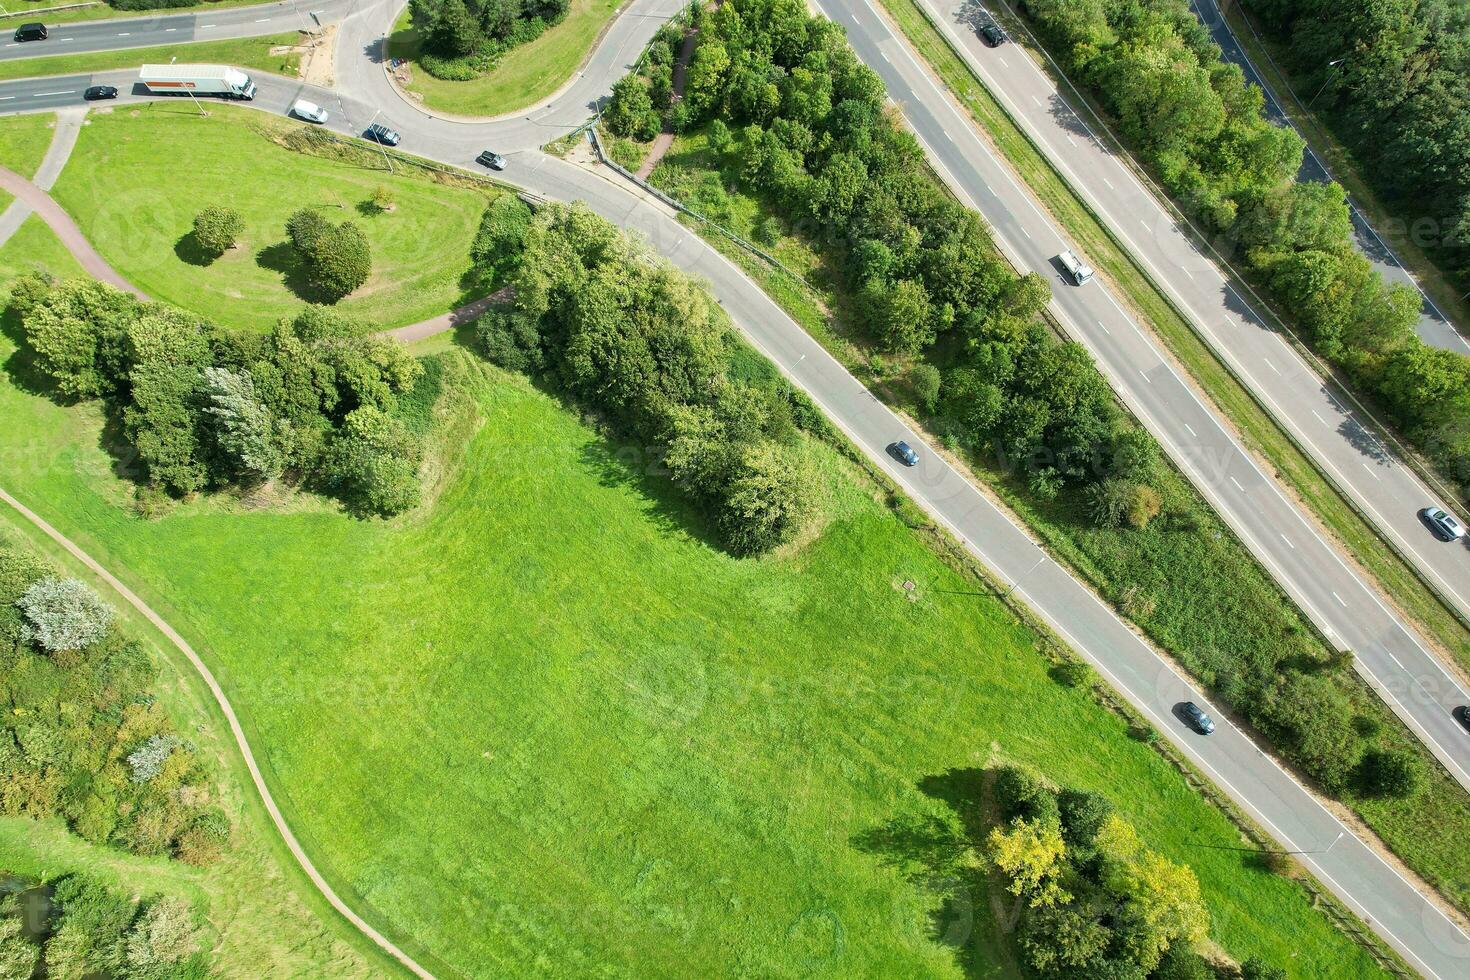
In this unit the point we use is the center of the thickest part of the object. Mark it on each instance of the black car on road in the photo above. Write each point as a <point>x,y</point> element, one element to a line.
<point>379,133</point>
<point>491,159</point>
<point>1463,714</point>
<point>31,32</point>
<point>991,34</point>
<point>904,453</point>
<point>95,92</point>
<point>1197,718</point>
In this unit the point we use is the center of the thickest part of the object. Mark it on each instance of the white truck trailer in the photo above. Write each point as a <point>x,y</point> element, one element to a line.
<point>222,80</point>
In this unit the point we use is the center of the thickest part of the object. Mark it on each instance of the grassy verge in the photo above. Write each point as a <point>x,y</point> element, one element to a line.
<point>35,248</point>
<point>1191,585</point>
<point>248,52</point>
<point>525,75</point>
<point>531,723</point>
<point>1341,161</point>
<point>140,217</point>
<point>15,13</point>
<point>23,144</point>
<point>1397,578</point>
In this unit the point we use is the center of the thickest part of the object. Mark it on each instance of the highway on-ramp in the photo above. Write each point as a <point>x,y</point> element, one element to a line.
<point>1350,868</point>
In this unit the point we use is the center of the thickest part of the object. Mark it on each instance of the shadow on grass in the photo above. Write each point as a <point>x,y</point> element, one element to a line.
<point>188,249</point>
<point>623,463</point>
<point>282,258</point>
<point>21,364</point>
<point>935,853</point>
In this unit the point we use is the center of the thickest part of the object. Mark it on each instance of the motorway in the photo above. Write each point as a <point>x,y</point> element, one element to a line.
<point>150,31</point>
<point>1322,417</point>
<point>1434,327</point>
<point>1351,869</point>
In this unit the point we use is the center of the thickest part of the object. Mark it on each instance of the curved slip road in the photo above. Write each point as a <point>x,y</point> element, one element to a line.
<point>1352,870</point>
<point>1320,416</point>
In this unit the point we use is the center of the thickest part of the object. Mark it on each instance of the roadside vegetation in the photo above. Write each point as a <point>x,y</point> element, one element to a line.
<point>1393,83</point>
<point>531,720</point>
<point>518,75</point>
<point>26,10</point>
<point>778,162</point>
<point>141,218</point>
<point>1200,128</point>
<point>249,52</point>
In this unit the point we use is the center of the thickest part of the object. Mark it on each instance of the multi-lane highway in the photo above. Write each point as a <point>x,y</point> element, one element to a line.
<point>1413,924</point>
<point>1320,416</point>
<point>1434,327</point>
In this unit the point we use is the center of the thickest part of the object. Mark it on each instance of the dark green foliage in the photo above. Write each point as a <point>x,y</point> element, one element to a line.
<point>630,112</point>
<point>337,258</point>
<point>1202,129</point>
<point>96,931</point>
<point>374,463</point>
<point>496,250</point>
<point>1387,772</point>
<point>70,717</point>
<point>1082,814</point>
<point>626,333</point>
<point>463,39</point>
<point>216,228</point>
<point>204,408</point>
<point>1254,969</point>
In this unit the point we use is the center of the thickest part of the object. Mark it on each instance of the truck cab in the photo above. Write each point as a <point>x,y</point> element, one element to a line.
<point>1078,270</point>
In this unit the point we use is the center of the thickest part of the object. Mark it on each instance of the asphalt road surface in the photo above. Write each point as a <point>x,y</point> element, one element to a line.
<point>1414,925</point>
<point>1434,327</point>
<point>1321,417</point>
<point>144,32</point>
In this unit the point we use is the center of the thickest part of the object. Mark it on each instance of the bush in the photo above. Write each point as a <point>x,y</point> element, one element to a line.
<point>383,198</point>
<point>374,463</point>
<point>147,760</point>
<point>63,614</point>
<point>1020,794</point>
<point>216,229</point>
<point>630,111</point>
<point>337,258</point>
<point>496,250</point>
<point>1390,773</point>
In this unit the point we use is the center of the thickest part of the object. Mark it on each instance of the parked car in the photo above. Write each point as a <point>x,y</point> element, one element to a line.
<point>308,111</point>
<point>1463,713</point>
<point>31,32</point>
<point>992,35</point>
<point>379,133</point>
<point>491,159</point>
<point>904,453</point>
<point>96,92</point>
<point>1444,526</point>
<point>1197,718</point>
<point>1079,271</point>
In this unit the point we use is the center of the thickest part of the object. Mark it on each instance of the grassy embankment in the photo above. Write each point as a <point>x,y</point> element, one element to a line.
<point>16,13</point>
<point>1196,590</point>
<point>525,76</point>
<point>545,720</point>
<point>140,218</point>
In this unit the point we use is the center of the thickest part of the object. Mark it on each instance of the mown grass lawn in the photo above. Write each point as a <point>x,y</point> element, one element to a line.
<point>164,163</point>
<point>23,144</point>
<point>525,75</point>
<point>25,10</point>
<point>246,52</point>
<point>545,726</point>
<point>35,248</point>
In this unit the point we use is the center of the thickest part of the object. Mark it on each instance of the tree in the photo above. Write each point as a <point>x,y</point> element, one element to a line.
<point>383,199</point>
<point>1030,854</point>
<point>18,955</point>
<point>766,499</point>
<point>899,315</point>
<point>305,227</point>
<point>1255,969</point>
<point>217,228</point>
<point>630,110</point>
<point>925,380</point>
<point>341,261</point>
<point>1083,814</point>
<point>63,614</point>
<point>1391,773</point>
<point>454,32</point>
<point>244,427</point>
<point>375,463</point>
<point>1063,937</point>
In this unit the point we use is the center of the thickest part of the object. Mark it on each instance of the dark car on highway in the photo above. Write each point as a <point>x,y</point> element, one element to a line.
<point>904,453</point>
<point>100,92</point>
<point>1463,714</point>
<point>1197,718</point>
<point>379,133</point>
<point>491,159</point>
<point>992,35</point>
<point>30,32</point>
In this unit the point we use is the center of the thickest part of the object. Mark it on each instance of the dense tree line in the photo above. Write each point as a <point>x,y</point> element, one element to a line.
<point>80,736</point>
<point>87,929</point>
<point>1394,80</point>
<point>205,408</point>
<point>1094,900</point>
<point>1201,127</point>
<point>622,331</point>
<point>790,115</point>
<point>461,39</point>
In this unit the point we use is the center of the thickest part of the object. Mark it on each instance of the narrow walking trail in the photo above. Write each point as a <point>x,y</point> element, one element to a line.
<point>178,641</point>
<point>63,140</point>
<point>666,138</point>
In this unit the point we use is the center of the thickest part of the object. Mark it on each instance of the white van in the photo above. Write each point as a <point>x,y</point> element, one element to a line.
<point>1079,271</point>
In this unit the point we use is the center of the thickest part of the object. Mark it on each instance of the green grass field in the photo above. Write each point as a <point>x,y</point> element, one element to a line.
<point>35,248</point>
<point>140,216</point>
<point>249,52</point>
<point>546,724</point>
<point>23,143</point>
<point>525,76</point>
